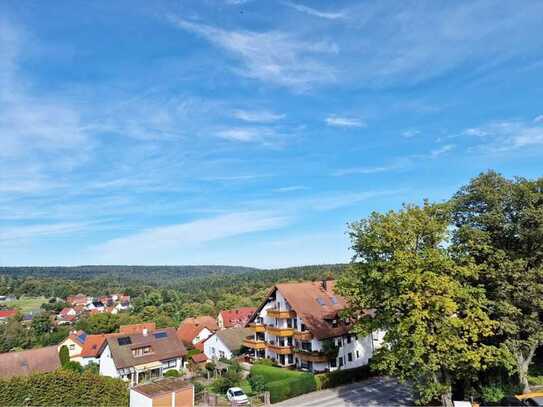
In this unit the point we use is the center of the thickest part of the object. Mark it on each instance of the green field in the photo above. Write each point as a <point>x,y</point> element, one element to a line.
<point>25,304</point>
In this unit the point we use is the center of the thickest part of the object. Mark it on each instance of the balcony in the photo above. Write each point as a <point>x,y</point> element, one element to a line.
<point>280,350</point>
<point>275,313</point>
<point>279,331</point>
<point>303,335</point>
<point>254,344</point>
<point>257,327</point>
<point>316,357</point>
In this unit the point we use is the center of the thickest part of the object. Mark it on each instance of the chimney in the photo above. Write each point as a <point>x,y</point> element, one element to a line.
<point>144,331</point>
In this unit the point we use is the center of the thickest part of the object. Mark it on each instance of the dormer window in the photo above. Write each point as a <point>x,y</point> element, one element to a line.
<point>141,351</point>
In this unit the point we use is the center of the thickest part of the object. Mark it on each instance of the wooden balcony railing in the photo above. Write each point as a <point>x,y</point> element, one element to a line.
<point>257,327</point>
<point>275,313</point>
<point>303,335</point>
<point>279,331</point>
<point>312,356</point>
<point>254,344</point>
<point>280,350</point>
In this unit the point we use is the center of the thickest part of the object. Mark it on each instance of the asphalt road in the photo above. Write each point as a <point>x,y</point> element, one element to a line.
<point>377,391</point>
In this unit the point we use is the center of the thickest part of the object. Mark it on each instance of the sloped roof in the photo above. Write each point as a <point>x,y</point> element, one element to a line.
<point>93,346</point>
<point>237,317</point>
<point>40,360</point>
<point>199,358</point>
<point>205,320</point>
<point>78,337</point>
<point>316,305</point>
<point>137,328</point>
<point>233,337</point>
<point>188,331</point>
<point>164,345</point>
<point>162,386</point>
<point>8,313</point>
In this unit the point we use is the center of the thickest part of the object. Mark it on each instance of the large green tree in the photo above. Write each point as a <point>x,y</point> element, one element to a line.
<point>434,321</point>
<point>499,226</point>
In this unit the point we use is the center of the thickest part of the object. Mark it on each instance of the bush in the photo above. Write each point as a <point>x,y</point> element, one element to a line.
<point>172,373</point>
<point>64,355</point>
<point>492,393</point>
<point>293,386</point>
<point>198,387</point>
<point>222,383</point>
<point>257,382</point>
<point>265,362</point>
<point>73,366</point>
<point>535,380</point>
<point>193,352</point>
<point>339,377</point>
<point>63,388</point>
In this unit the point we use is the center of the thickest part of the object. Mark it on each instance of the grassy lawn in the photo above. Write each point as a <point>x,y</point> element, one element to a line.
<point>25,304</point>
<point>272,374</point>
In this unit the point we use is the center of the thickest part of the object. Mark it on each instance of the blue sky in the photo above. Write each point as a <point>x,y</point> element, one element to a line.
<point>251,132</point>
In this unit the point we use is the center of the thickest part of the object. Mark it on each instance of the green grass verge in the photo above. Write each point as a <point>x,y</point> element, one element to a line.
<point>26,304</point>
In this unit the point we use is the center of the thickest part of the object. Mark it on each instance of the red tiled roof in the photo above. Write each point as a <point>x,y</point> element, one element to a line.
<point>93,346</point>
<point>237,317</point>
<point>199,358</point>
<point>137,328</point>
<point>8,313</point>
<point>205,320</point>
<point>187,332</point>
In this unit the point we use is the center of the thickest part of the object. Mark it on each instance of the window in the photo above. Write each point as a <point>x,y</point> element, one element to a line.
<point>357,354</point>
<point>71,347</point>
<point>221,354</point>
<point>306,346</point>
<point>350,357</point>
<point>169,363</point>
<point>141,351</point>
<point>339,343</point>
<point>334,300</point>
<point>333,363</point>
<point>160,335</point>
<point>321,301</point>
<point>340,362</point>
<point>349,339</point>
<point>125,340</point>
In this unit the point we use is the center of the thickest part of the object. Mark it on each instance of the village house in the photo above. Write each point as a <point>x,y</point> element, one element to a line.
<point>92,349</point>
<point>192,334</point>
<point>299,325</point>
<point>78,299</point>
<point>225,343</point>
<point>140,357</point>
<point>137,328</point>
<point>235,318</point>
<point>74,342</point>
<point>7,313</point>
<point>163,393</point>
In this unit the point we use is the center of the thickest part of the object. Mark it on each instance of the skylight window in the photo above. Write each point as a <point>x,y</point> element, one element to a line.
<point>160,335</point>
<point>125,340</point>
<point>321,301</point>
<point>334,300</point>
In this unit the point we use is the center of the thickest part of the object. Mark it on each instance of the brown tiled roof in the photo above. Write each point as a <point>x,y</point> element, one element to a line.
<point>162,386</point>
<point>188,331</point>
<point>237,317</point>
<point>199,358</point>
<point>38,360</point>
<point>233,337</point>
<point>316,306</point>
<point>162,348</point>
<point>137,328</point>
<point>205,320</point>
<point>94,344</point>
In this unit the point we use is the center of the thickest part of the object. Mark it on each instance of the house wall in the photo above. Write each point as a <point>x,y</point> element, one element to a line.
<point>86,361</point>
<point>74,349</point>
<point>139,400</point>
<point>202,335</point>
<point>220,321</point>
<point>107,365</point>
<point>213,347</point>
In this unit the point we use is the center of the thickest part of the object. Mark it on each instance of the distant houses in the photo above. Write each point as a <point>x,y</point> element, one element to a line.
<point>236,318</point>
<point>81,304</point>
<point>7,313</point>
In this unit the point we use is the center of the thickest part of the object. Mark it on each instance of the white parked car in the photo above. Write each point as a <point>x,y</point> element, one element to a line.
<point>236,396</point>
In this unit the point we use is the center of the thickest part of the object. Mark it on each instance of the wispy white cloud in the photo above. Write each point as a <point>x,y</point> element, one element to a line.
<point>160,241</point>
<point>410,133</point>
<point>508,134</point>
<point>329,15</point>
<point>343,121</point>
<point>241,134</point>
<point>29,232</point>
<point>257,116</point>
<point>441,150</point>
<point>369,170</point>
<point>292,188</point>
<point>247,177</point>
<point>276,57</point>
<point>538,119</point>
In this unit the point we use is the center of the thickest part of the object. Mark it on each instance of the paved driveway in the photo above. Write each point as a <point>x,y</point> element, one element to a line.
<point>377,391</point>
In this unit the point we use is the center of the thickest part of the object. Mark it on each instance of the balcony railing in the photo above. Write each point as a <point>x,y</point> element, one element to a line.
<point>254,343</point>
<point>272,330</point>
<point>280,350</point>
<point>303,335</point>
<point>312,356</point>
<point>275,313</point>
<point>257,327</point>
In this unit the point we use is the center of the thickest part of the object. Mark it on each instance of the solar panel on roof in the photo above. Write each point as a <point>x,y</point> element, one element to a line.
<point>82,337</point>
<point>125,340</point>
<point>334,300</point>
<point>159,335</point>
<point>321,301</point>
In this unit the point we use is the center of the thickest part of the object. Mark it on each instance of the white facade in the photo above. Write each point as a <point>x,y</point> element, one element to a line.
<point>139,400</point>
<point>107,365</point>
<point>214,348</point>
<point>353,351</point>
<point>202,336</point>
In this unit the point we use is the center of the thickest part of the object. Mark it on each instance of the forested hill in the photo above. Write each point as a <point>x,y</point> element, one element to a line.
<point>196,282</point>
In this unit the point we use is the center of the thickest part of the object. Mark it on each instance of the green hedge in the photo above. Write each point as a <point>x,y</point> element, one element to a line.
<point>63,388</point>
<point>339,377</point>
<point>293,386</point>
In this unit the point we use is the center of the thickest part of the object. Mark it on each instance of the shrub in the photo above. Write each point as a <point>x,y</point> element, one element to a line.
<point>63,388</point>
<point>172,373</point>
<point>257,382</point>
<point>293,386</point>
<point>535,380</point>
<point>339,377</point>
<point>222,383</point>
<point>265,362</point>
<point>64,355</point>
<point>193,352</point>
<point>492,393</point>
<point>73,366</point>
<point>198,387</point>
